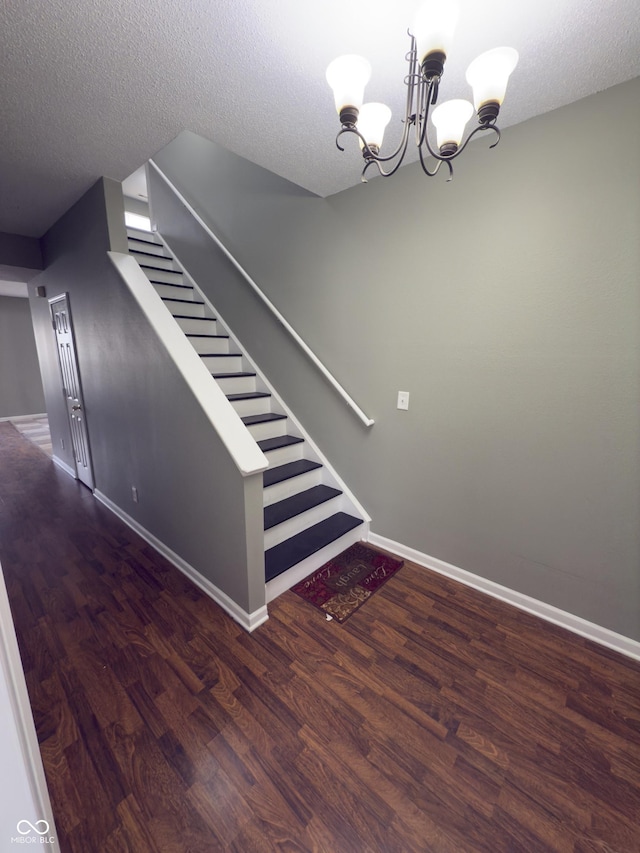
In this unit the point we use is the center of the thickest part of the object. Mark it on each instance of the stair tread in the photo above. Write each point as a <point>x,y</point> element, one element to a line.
<point>149,254</point>
<point>290,469</point>
<point>171,283</point>
<point>279,441</point>
<point>285,555</point>
<point>248,395</point>
<point>295,504</point>
<point>265,417</point>
<point>142,240</point>
<point>233,375</point>
<point>174,299</point>
<point>188,316</point>
<point>160,269</point>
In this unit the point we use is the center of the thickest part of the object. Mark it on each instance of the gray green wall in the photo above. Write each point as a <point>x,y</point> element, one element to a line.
<point>506,302</point>
<point>20,383</point>
<point>145,427</point>
<point>136,205</point>
<point>20,257</point>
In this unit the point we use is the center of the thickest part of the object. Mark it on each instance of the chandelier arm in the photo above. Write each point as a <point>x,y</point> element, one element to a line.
<point>400,150</point>
<point>370,162</point>
<point>346,128</point>
<point>439,163</point>
<point>424,140</point>
<point>404,141</point>
<point>367,153</point>
<point>384,174</point>
<point>412,83</point>
<point>497,130</point>
<point>478,129</point>
<point>429,96</point>
<point>420,122</point>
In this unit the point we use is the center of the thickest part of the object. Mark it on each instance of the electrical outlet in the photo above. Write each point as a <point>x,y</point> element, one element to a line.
<point>62,443</point>
<point>403,400</point>
<point>134,494</point>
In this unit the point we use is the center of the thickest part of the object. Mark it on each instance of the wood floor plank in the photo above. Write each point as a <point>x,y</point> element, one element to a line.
<point>436,719</point>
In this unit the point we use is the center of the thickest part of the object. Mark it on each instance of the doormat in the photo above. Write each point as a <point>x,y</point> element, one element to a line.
<point>343,584</point>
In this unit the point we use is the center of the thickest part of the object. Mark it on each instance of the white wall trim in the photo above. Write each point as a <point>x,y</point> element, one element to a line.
<point>605,637</point>
<point>66,468</point>
<point>249,621</point>
<point>367,421</point>
<point>23,727</point>
<point>18,418</point>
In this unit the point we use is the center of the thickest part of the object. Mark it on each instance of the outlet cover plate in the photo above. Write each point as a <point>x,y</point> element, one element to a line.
<point>403,400</point>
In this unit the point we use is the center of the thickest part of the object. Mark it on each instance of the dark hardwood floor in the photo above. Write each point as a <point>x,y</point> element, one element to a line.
<point>435,719</point>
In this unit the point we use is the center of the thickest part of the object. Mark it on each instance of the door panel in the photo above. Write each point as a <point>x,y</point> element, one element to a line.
<point>71,388</point>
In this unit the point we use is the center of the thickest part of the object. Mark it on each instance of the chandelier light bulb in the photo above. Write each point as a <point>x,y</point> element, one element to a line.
<point>450,119</point>
<point>372,121</point>
<point>489,73</point>
<point>348,75</point>
<point>434,27</point>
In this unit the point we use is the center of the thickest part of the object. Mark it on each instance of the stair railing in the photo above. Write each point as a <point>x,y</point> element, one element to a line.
<point>283,322</point>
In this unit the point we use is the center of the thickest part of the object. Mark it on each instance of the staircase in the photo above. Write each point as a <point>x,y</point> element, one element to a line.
<point>308,519</point>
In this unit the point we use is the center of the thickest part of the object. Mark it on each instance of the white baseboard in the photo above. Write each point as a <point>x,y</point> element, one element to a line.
<point>66,468</point>
<point>18,418</point>
<point>576,624</point>
<point>249,621</point>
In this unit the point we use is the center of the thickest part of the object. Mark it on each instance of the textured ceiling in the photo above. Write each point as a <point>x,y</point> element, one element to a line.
<point>96,87</point>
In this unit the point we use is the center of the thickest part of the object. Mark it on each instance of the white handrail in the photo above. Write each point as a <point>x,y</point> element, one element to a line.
<point>309,352</point>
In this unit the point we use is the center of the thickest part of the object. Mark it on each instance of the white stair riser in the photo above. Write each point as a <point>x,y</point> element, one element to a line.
<point>270,429</point>
<point>303,569</point>
<point>237,384</point>
<point>285,454</point>
<point>292,486</point>
<point>215,346</point>
<point>172,291</point>
<point>257,406</point>
<point>276,535</point>
<point>154,249</point>
<point>138,234</point>
<point>223,363</point>
<point>166,276</point>
<point>202,344</point>
<point>151,258</point>
<point>197,327</point>
<point>185,308</point>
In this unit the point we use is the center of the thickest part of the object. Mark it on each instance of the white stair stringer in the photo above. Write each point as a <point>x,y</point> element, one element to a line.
<point>305,501</point>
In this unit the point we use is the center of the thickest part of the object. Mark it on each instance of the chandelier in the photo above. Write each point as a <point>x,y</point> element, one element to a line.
<point>431,37</point>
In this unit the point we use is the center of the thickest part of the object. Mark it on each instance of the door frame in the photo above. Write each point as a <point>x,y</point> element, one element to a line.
<point>84,473</point>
